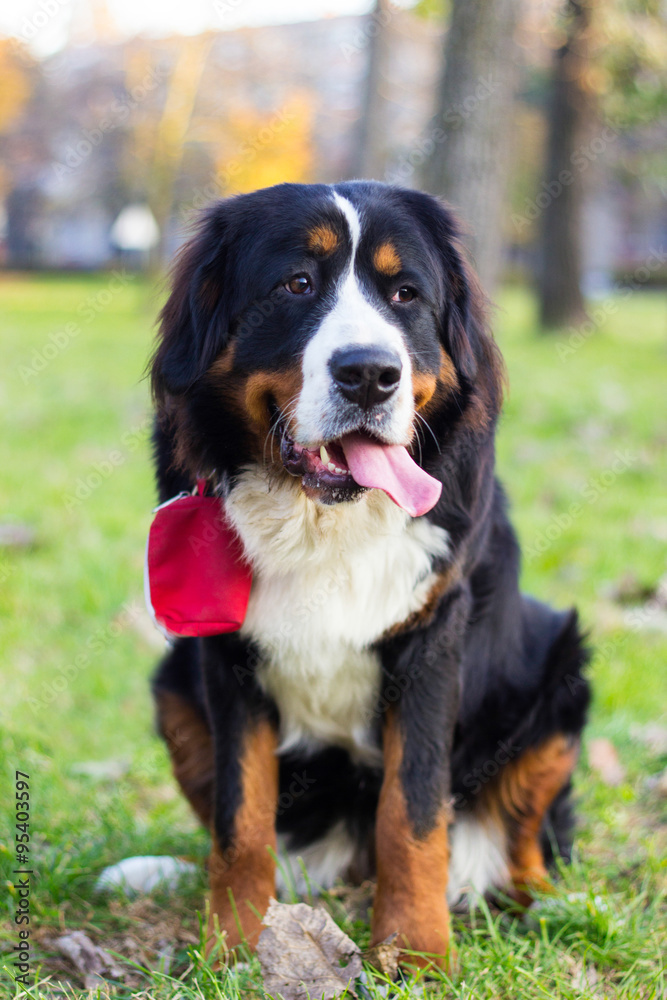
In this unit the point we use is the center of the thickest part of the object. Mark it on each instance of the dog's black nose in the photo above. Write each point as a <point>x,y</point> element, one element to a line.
<point>366,375</point>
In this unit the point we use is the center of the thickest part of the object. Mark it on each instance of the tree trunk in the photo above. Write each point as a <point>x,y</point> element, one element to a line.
<point>472,134</point>
<point>370,155</point>
<point>559,281</point>
<point>172,129</point>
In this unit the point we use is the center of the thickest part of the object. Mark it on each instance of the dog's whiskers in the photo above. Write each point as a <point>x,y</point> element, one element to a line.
<point>269,436</point>
<point>283,417</point>
<point>418,438</point>
<point>429,429</point>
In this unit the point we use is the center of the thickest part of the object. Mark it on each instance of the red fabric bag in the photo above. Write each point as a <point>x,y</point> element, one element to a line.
<point>196,580</point>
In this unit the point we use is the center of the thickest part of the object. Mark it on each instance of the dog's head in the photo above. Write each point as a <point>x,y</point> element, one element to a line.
<point>320,331</point>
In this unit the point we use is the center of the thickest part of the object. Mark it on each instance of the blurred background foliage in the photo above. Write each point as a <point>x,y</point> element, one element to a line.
<point>167,123</point>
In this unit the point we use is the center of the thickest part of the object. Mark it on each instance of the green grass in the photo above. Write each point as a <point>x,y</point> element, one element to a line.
<point>77,654</point>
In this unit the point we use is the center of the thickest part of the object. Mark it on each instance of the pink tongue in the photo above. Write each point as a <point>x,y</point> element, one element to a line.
<point>389,467</point>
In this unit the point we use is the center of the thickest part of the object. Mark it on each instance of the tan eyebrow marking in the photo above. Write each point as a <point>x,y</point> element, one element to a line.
<point>323,240</point>
<point>387,260</point>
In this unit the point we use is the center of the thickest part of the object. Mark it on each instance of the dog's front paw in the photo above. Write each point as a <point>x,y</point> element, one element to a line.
<point>241,887</point>
<point>421,930</point>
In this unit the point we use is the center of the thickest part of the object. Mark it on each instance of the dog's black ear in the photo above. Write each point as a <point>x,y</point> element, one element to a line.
<point>462,306</point>
<point>195,321</point>
<point>462,303</point>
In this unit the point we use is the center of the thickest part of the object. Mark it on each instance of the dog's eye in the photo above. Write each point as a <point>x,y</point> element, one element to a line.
<point>404,294</point>
<point>299,285</point>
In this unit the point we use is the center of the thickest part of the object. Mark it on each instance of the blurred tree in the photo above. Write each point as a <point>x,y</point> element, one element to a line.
<point>471,132</point>
<point>23,151</point>
<point>141,127</point>
<point>174,124</point>
<point>370,151</point>
<point>15,88</point>
<point>609,69</point>
<point>559,276</point>
<point>15,83</point>
<point>627,71</point>
<point>268,148</point>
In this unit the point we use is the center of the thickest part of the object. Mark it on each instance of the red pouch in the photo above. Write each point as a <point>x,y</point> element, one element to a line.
<point>196,581</point>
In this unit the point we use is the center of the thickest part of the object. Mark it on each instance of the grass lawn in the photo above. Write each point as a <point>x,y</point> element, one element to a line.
<point>582,449</point>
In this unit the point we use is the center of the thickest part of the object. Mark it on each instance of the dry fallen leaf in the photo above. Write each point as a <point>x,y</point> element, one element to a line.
<point>92,962</point>
<point>630,590</point>
<point>304,954</point>
<point>384,956</point>
<point>603,758</point>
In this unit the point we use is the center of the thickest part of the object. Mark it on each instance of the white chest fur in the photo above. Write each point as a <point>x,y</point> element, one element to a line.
<point>329,581</point>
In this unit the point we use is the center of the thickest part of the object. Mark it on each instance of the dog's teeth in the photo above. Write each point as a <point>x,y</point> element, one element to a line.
<point>342,471</point>
<point>324,455</point>
<point>331,467</point>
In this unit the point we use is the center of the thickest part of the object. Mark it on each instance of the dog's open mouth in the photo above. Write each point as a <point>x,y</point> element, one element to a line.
<point>324,472</point>
<point>342,470</point>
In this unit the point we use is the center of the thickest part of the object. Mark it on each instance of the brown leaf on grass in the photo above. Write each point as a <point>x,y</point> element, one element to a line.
<point>91,962</point>
<point>630,590</point>
<point>384,956</point>
<point>603,758</point>
<point>304,954</point>
<point>145,924</point>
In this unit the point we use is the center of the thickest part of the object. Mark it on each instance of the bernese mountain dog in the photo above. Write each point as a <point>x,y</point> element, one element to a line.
<point>392,706</point>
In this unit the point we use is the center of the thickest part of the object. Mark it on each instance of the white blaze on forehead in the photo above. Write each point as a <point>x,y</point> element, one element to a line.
<point>352,321</point>
<point>353,221</point>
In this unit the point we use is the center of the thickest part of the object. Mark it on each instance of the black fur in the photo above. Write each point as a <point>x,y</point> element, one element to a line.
<point>492,668</point>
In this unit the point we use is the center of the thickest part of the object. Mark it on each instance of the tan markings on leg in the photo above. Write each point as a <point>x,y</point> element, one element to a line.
<point>387,260</point>
<point>246,868</point>
<point>191,748</point>
<point>411,871</point>
<point>524,793</point>
<point>322,240</point>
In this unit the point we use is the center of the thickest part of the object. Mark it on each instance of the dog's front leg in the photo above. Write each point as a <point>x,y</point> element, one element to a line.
<point>241,865</point>
<point>414,811</point>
